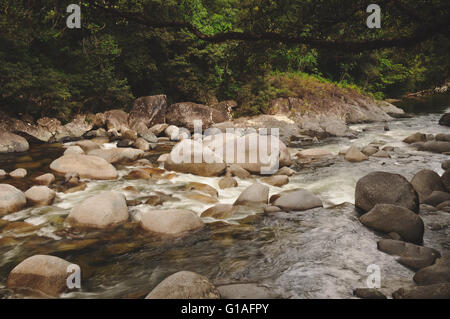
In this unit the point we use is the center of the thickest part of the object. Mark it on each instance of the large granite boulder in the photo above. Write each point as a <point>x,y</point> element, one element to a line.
<point>91,167</point>
<point>11,199</point>
<point>12,143</point>
<point>184,115</point>
<point>149,110</point>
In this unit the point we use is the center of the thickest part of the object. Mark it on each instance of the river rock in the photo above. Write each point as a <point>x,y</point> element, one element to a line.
<point>433,146</point>
<point>189,156</point>
<point>387,218</point>
<point>354,155</point>
<point>163,158</point>
<point>445,178</point>
<point>118,155</point>
<point>286,171</point>
<point>184,285</point>
<point>438,291</point>
<point>149,110</point>
<point>172,132</point>
<point>87,145</point>
<point>382,154</point>
<point>227,182</point>
<point>412,256</point>
<point>141,144</point>
<point>370,150</point>
<point>170,221</point>
<point>3,174</point>
<point>40,196</point>
<point>436,198</point>
<point>103,211</point>
<point>116,119</point>
<point>435,274</point>
<point>148,136</point>
<point>73,150</point>
<point>385,188</point>
<point>91,167</point>
<point>443,137</point>
<point>129,135</point>
<point>297,200</point>
<point>445,165</point>
<point>254,194</point>
<point>157,129</point>
<point>202,188</point>
<point>368,293</point>
<point>314,153</point>
<point>220,211</point>
<point>416,137</point>
<point>445,120</point>
<point>246,291</point>
<point>425,182</point>
<point>11,199</point>
<point>12,143</point>
<point>42,274</point>
<point>184,115</point>
<point>276,180</point>
<point>239,172</point>
<point>18,173</point>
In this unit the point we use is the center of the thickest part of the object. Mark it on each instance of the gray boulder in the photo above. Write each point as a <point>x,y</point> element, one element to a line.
<point>435,274</point>
<point>297,200</point>
<point>425,182</point>
<point>254,194</point>
<point>170,221</point>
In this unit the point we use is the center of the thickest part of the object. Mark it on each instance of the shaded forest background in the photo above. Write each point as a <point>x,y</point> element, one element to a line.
<point>208,50</point>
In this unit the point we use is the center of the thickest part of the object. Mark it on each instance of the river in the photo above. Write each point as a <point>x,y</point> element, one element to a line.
<point>320,253</point>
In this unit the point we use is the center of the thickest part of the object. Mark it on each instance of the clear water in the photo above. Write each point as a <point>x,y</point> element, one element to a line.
<point>320,253</point>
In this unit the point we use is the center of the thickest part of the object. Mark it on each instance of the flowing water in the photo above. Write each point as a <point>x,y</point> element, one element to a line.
<point>320,253</point>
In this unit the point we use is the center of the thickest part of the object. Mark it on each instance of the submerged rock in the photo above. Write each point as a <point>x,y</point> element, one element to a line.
<point>184,285</point>
<point>385,188</point>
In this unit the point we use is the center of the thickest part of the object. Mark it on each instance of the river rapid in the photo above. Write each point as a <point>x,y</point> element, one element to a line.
<point>319,253</point>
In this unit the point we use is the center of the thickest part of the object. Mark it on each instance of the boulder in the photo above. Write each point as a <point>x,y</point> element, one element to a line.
<point>103,211</point>
<point>184,285</point>
<point>40,274</point>
<point>190,156</point>
<point>353,154</point>
<point>205,199</point>
<point>227,182</point>
<point>382,154</point>
<point>443,137</point>
<point>254,194</point>
<point>11,199</point>
<point>297,200</point>
<point>170,221</point>
<point>445,165</point>
<point>116,119</point>
<point>142,144</point>
<point>40,196</point>
<point>445,120</point>
<point>434,274</point>
<point>3,174</point>
<point>425,182</point>
<point>158,128</point>
<point>73,150</point>
<point>220,211</point>
<point>433,146</point>
<point>276,180</point>
<point>415,138</point>
<point>436,198</point>
<point>239,172</point>
<point>129,135</point>
<point>18,173</point>
<point>172,132</point>
<point>445,178</point>
<point>438,291</point>
<point>149,110</point>
<point>87,145</point>
<point>385,188</point>
<point>286,171</point>
<point>184,115</point>
<point>148,136</point>
<point>412,256</point>
<point>387,218</point>
<point>368,293</point>
<point>118,155</point>
<point>91,167</point>
<point>12,143</point>
<point>202,188</point>
<point>369,150</point>
<point>246,291</point>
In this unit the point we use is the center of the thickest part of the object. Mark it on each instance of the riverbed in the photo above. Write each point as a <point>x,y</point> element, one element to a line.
<point>319,253</point>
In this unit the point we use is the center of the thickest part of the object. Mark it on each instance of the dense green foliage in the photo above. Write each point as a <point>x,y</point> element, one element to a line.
<point>121,52</point>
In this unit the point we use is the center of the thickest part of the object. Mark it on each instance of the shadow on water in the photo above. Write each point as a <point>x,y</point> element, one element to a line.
<point>425,105</point>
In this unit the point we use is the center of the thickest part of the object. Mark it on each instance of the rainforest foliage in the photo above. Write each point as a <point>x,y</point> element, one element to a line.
<point>208,50</point>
